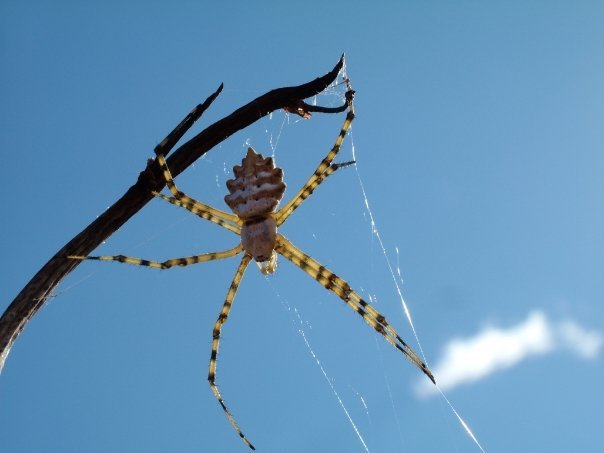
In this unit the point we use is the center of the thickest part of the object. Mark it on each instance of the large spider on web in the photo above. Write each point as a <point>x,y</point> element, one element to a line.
<point>253,197</point>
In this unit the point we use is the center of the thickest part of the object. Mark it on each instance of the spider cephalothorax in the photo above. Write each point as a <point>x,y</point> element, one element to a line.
<point>253,196</point>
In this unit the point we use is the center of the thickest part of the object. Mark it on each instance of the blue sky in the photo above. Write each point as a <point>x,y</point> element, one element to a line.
<point>479,144</point>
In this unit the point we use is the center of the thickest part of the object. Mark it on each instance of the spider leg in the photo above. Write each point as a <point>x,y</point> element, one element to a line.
<point>185,198</point>
<point>325,168</point>
<point>343,290</point>
<point>222,318</point>
<point>204,211</point>
<point>168,263</point>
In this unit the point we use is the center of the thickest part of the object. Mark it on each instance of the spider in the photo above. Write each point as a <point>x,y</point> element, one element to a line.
<point>253,197</point>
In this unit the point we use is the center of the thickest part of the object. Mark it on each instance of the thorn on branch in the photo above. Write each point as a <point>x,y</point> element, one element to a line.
<point>304,109</point>
<point>300,108</point>
<point>168,143</point>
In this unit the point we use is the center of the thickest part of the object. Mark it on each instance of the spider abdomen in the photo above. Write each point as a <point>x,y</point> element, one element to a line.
<point>258,237</point>
<point>257,188</point>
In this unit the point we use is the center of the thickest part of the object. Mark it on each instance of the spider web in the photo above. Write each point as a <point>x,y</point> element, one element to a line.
<point>398,284</point>
<point>273,139</point>
<point>299,324</point>
<point>332,96</point>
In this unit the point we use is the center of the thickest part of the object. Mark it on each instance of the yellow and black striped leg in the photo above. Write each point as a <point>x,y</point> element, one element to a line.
<point>342,289</point>
<point>224,219</point>
<point>168,263</point>
<point>180,199</point>
<point>222,318</point>
<point>185,199</point>
<point>325,168</point>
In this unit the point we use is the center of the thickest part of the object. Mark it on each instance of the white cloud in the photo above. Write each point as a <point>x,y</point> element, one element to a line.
<point>585,343</point>
<point>491,350</point>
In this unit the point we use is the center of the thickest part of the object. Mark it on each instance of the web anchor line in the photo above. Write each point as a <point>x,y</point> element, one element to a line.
<point>375,231</point>
<point>299,326</point>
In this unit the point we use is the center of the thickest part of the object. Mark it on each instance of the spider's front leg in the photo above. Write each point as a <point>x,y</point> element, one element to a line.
<point>342,289</point>
<point>222,318</point>
<point>165,264</point>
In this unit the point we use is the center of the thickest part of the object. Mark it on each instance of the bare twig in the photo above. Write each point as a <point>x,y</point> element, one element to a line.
<point>33,296</point>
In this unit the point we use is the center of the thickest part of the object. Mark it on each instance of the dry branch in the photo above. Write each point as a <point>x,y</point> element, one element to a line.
<point>33,296</point>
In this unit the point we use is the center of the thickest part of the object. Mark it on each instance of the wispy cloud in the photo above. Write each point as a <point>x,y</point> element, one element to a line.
<point>470,359</point>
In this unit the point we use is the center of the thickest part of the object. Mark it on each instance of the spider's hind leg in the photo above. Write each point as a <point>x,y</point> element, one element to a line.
<point>205,211</point>
<point>166,145</point>
<point>325,168</point>
<point>179,198</point>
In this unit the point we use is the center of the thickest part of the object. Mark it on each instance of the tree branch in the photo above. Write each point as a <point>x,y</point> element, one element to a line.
<point>33,296</point>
